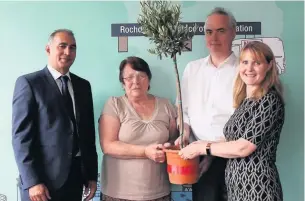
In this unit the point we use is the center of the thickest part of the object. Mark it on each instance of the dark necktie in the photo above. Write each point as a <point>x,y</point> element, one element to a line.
<point>69,106</point>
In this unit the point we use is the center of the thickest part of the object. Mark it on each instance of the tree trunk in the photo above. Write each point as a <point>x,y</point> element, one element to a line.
<point>180,111</point>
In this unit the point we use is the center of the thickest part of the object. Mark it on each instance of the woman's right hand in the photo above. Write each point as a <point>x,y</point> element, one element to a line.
<point>155,152</point>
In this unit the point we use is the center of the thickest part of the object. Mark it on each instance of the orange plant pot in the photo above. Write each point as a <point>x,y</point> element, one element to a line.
<point>181,171</point>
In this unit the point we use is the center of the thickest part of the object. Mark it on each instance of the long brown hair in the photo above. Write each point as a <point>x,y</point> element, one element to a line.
<point>261,52</point>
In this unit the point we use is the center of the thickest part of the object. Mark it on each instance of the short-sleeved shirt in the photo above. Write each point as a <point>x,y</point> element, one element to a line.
<point>137,179</point>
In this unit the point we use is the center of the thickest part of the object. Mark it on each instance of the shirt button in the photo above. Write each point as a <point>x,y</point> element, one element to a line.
<point>70,154</point>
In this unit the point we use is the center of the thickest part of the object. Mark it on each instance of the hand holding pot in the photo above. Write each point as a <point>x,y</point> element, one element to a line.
<point>192,150</point>
<point>155,152</point>
<point>186,136</point>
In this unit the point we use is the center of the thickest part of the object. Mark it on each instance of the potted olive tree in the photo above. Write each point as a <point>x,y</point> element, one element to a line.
<point>160,22</point>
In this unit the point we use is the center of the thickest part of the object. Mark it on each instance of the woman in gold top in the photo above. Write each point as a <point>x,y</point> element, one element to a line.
<point>133,129</point>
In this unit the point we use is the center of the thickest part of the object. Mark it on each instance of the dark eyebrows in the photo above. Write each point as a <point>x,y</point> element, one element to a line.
<point>66,44</point>
<point>220,29</point>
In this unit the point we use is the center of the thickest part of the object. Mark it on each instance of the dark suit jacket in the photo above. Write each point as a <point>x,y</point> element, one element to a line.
<point>43,131</point>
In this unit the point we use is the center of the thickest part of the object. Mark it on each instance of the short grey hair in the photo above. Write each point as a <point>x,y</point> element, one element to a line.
<point>53,34</point>
<point>223,11</point>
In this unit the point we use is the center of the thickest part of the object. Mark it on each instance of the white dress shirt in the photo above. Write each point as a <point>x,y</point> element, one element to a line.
<point>56,75</point>
<point>207,96</point>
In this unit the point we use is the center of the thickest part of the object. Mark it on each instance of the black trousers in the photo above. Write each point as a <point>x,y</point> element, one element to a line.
<point>72,190</point>
<point>211,185</point>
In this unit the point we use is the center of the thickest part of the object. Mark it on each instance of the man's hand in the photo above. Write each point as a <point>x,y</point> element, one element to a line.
<point>155,152</point>
<point>204,165</point>
<point>90,190</point>
<point>186,136</point>
<point>185,140</point>
<point>39,192</point>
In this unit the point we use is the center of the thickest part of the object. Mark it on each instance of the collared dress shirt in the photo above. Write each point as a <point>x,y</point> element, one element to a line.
<point>207,96</point>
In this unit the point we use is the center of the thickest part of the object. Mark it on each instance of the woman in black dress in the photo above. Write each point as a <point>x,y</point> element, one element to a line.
<point>253,131</point>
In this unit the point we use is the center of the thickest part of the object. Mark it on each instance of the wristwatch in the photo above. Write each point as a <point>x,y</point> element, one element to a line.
<point>208,149</point>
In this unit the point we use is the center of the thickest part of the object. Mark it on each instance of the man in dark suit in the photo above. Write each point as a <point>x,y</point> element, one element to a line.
<point>53,133</point>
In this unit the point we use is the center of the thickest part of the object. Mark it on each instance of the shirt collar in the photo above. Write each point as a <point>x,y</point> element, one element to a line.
<point>55,74</point>
<point>232,59</point>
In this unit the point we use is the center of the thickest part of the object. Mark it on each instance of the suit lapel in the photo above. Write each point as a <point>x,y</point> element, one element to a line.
<point>55,89</point>
<point>77,93</point>
<point>52,82</point>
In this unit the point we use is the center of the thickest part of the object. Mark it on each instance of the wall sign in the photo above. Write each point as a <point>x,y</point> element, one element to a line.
<point>124,30</point>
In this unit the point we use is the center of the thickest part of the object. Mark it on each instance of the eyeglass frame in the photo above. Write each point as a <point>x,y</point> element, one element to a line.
<point>131,78</point>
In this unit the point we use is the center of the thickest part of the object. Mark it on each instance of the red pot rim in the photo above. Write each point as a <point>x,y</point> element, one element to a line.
<point>172,149</point>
